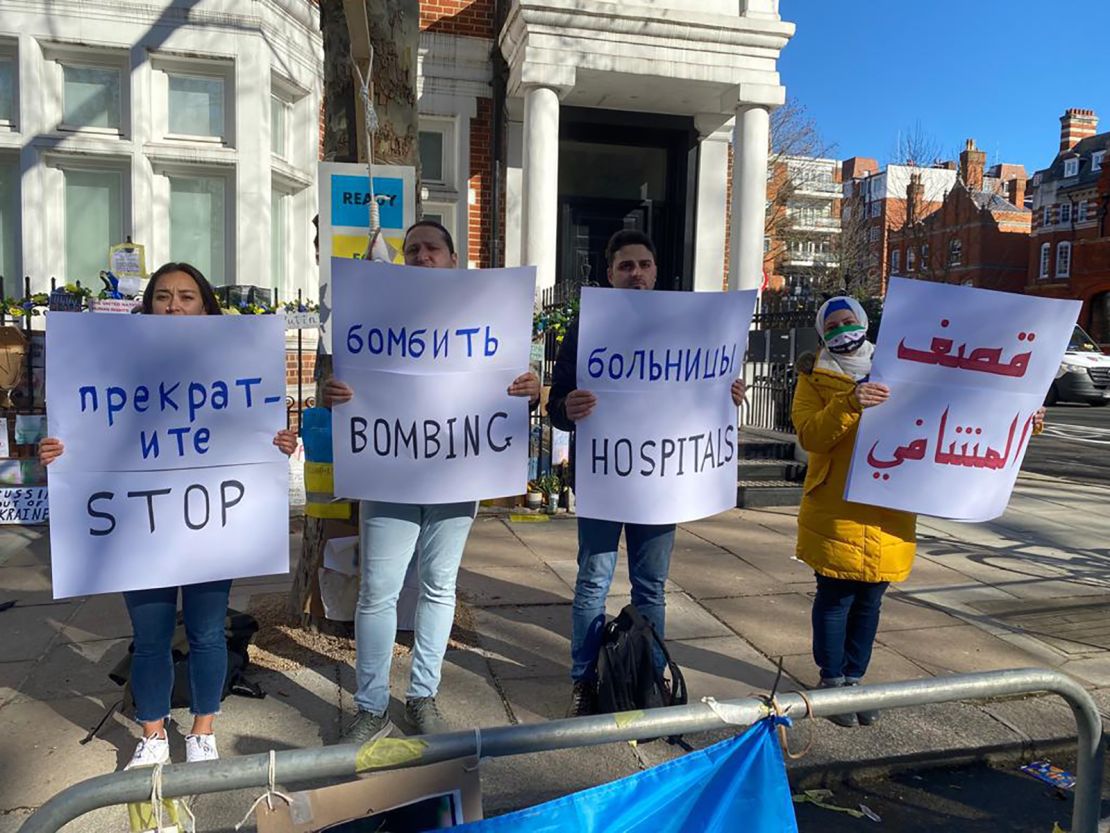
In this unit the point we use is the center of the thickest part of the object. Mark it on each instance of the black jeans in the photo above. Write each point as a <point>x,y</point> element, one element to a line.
<point>845,620</point>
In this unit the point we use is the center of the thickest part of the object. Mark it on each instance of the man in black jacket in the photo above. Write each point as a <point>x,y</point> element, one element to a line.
<point>631,258</point>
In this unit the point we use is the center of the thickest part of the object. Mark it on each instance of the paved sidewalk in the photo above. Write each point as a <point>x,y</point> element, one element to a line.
<point>1032,588</point>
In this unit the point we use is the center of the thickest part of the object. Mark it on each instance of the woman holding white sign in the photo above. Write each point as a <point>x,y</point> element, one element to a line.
<point>176,289</point>
<point>390,535</point>
<point>856,550</point>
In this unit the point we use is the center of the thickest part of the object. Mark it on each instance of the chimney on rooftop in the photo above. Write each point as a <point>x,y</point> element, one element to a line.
<point>1076,125</point>
<point>972,162</point>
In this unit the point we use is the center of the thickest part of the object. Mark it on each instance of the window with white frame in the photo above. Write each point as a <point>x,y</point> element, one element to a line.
<point>9,221</point>
<point>1071,166</point>
<point>1046,256</point>
<point>873,235</point>
<point>895,260</point>
<point>439,212</point>
<point>1096,160</point>
<point>433,157</point>
<point>876,208</point>
<point>1081,211</point>
<point>911,259</point>
<point>94,217</point>
<point>279,126</point>
<point>1065,212</point>
<point>279,223</point>
<point>196,105</point>
<point>92,96</point>
<point>925,256</point>
<point>8,87</point>
<point>199,222</point>
<point>1063,259</point>
<point>1046,216</point>
<point>955,252</point>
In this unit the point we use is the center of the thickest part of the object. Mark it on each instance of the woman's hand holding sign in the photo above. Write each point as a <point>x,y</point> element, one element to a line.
<point>526,384</point>
<point>336,393</point>
<point>869,394</point>
<point>50,449</point>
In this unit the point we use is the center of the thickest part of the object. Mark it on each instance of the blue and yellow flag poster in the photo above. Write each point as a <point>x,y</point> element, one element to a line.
<point>736,786</point>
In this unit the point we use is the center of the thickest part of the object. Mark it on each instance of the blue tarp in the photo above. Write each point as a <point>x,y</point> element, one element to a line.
<point>736,786</point>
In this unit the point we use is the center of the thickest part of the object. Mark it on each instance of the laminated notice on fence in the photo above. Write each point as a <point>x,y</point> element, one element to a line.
<point>968,370</point>
<point>430,355</point>
<point>660,446</point>
<point>431,797</point>
<point>169,474</point>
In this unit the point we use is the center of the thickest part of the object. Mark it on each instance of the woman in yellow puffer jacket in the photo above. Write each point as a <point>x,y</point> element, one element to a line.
<point>856,550</point>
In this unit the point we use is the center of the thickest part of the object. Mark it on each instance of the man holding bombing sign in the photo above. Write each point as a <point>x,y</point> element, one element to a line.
<point>418,415</point>
<point>655,436</point>
<point>169,478</point>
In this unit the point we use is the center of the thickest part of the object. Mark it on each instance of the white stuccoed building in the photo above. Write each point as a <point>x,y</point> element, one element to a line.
<point>618,114</point>
<point>192,127</point>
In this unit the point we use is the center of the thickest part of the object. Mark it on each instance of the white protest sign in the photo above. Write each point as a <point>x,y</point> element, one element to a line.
<point>149,392</point>
<point>24,506</point>
<point>660,446</point>
<point>112,531</point>
<point>169,474</point>
<point>430,354</point>
<point>967,369</point>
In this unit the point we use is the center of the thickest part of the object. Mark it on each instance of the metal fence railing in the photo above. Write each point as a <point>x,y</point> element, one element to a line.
<point>341,761</point>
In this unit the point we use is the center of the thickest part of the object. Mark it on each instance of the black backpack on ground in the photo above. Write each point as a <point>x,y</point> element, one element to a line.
<point>239,627</point>
<point>627,678</point>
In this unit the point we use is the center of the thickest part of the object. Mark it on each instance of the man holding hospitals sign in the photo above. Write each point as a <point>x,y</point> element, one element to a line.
<point>661,447</point>
<point>967,371</point>
<point>170,475</point>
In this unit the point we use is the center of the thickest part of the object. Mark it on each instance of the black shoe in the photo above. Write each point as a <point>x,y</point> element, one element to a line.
<point>867,717</point>
<point>424,716</point>
<point>849,720</point>
<point>583,699</point>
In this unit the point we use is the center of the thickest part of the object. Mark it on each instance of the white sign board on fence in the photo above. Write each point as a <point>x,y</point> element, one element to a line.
<point>661,444</point>
<point>430,355</point>
<point>169,474</point>
<point>968,369</point>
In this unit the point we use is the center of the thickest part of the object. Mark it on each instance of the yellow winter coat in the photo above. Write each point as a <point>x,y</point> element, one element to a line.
<point>836,538</point>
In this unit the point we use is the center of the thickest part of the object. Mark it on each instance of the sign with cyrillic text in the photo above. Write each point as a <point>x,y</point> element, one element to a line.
<point>169,474</point>
<point>661,444</point>
<point>967,370</point>
<point>430,355</point>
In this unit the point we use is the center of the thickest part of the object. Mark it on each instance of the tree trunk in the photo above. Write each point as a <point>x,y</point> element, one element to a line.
<point>349,28</point>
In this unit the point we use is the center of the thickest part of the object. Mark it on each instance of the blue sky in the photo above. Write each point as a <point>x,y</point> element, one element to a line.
<point>999,71</point>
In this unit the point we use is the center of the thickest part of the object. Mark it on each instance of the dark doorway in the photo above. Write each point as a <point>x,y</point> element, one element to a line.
<point>625,170</point>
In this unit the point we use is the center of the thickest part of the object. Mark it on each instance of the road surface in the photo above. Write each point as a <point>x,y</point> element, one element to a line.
<point>1075,444</point>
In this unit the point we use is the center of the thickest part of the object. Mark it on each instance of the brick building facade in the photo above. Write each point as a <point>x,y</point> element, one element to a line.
<point>978,235</point>
<point>1069,249</point>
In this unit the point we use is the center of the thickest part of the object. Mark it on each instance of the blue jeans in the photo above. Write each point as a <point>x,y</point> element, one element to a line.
<point>649,560</point>
<point>153,619</point>
<point>391,534</point>
<point>845,621</point>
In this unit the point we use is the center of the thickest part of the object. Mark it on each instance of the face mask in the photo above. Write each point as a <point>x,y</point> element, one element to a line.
<point>846,339</point>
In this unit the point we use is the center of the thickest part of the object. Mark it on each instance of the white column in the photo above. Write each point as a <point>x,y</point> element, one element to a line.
<point>750,138</point>
<point>541,182</point>
<point>709,251</point>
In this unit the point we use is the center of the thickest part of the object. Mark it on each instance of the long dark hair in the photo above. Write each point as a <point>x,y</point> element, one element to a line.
<point>207,294</point>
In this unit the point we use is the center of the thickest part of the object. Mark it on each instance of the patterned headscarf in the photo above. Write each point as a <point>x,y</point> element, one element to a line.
<point>847,349</point>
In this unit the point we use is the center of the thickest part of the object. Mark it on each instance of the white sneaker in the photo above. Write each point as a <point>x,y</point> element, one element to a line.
<point>200,748</point>
<point>151,751</point>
